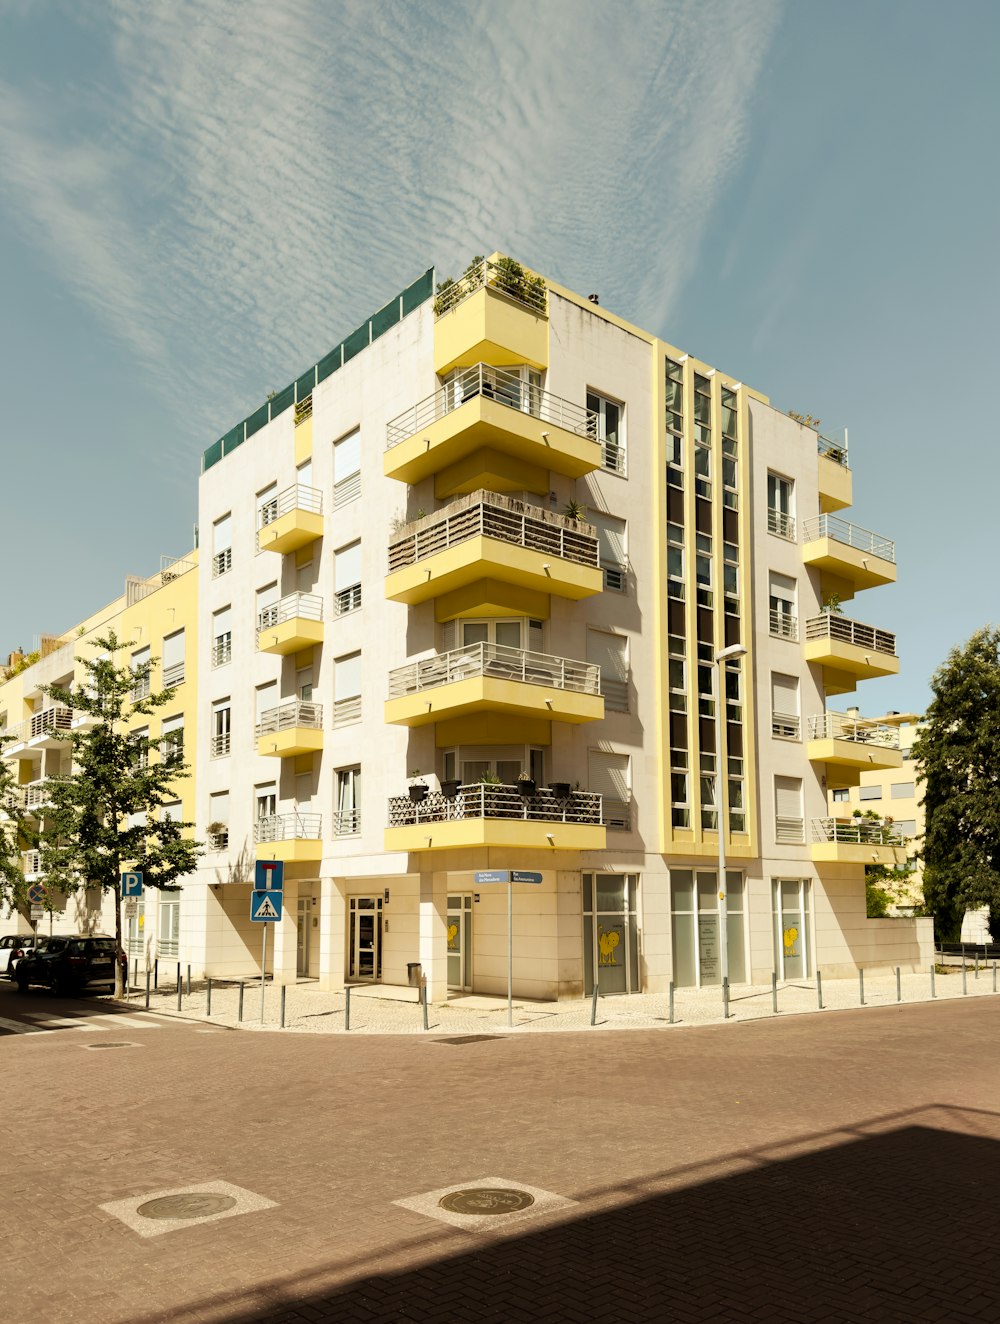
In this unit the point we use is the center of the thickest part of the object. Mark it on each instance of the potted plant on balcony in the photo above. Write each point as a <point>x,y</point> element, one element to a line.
<point>449,787</point>
<point>560,790</point>
<point>417,790</point>
<point>526,783</point>
<point>219,835</point>
<point>574,510</point>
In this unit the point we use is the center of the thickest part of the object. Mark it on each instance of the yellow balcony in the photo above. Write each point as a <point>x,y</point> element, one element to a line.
<point>291,519</point>
<point>492,678</point>
<point>292,728</point>
<point>293,623</point>
<point>849,558</point>
<point>849,651</point>
<point>836,484</point>
<point>856,841</point>
<point>489,428</point>
<point>852,745</point>
<point>496,540</point>
<point>294,838</point>
<point>488,316</point>
<point>496,815</point>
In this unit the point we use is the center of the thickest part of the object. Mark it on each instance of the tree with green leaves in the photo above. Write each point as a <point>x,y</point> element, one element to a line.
<point>107,814</point>
<point>15,837</point>
<point>958,756</point>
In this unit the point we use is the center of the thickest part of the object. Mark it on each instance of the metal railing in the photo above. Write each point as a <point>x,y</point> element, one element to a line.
<point>851,535</point>
<point>482,381</point>
<point>789,831</point>
<point>173,675</point>
<point>780,523</point>
<point>296,497</point>
<point>788,726</point>
<point>347,599</point>
<point>490,515</point>
<point>346,822</point>
<point>612,456</point>
<point>286,716</point>
<point>222,562</point>
<point>288,827</point>
<point>347,711</point>
<point>222,650</point>
<point>221,745</point>
<point>492,800</point>
<point>529,291</point>
<point>833,450</point>
<point>140,689</point>
<point>842,726</point>
<point>857,831</point>
<point>784,625</point>
<point>218,840</point>
<point>36,795</point>
<point>831,625</point>
<point>48,721</point>
<point>294,606</point>
<point>497,661</point>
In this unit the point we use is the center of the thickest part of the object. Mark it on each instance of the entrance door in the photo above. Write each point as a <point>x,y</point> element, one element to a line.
<point>303,922</point>
<point>364,953</point>
<point>460,942</point>
<point>610,932</point>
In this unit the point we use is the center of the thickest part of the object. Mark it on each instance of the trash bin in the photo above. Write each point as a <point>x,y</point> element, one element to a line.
<point>414,973</point>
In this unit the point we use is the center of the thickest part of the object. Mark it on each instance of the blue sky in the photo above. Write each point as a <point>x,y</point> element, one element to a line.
<point>198,199</point>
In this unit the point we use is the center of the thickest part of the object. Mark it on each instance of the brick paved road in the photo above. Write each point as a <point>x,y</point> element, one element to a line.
<point>830,1168</point>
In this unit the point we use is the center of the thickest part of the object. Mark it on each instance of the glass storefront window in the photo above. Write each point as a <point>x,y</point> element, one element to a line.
<point>611,932</point>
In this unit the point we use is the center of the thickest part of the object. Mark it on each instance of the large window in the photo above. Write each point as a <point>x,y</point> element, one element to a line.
<point>347,469</point>
<point>222,636</point>
<point>611,932</point>
<point>610,652</point>
<point>789,824</point>
<point>780,511</point>
<point>218,820</point>
<point>173,659</point>
<point>221,728</point>
<point>783,621</point>
<point>790,908</point>
<point>610,430</point>
<point>347,578</point>
<point>347,689</point>
<point>675,420</point>
<point>695,924</point>
<point>347,814</point>
<point>172,739</point>
<point>786,721</point>
<point>611,777</point>
<point>612,538</point>
<point>140,686</point>
<point>222,546</point>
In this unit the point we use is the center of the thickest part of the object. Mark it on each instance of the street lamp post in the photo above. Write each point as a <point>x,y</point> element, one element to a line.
<point>721,657</point>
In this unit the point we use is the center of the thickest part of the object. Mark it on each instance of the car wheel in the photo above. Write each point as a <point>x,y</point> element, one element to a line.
<point>22,985</point>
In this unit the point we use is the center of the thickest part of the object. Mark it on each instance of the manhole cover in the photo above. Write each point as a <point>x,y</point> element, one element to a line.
<point>467,1039</point>
<point>479,1200</point>
<point>191,1204</point>
<point>121,1045</point>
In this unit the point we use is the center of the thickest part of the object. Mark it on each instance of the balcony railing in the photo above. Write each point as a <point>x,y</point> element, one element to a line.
<point>347,599</point>
<point>44,723</point>
<point>37,795</point>
<point>842,726</point>
<point>527,290</point>
<point>784,625</point>
<point>489,800</point>
<point>780,523</point>
<point>222,562</point>
<point>221,745</point>
<point>346,822</point>
<point>287,716</point>
<point>296,497</point>
<point>830,625</point>
<point>857,831</point>
<point>490,515</point>
<point>222,650</point>
<point>787,726</point>
<point>852,535</point>
<point>506,388</point>
<point>288,827</point>
<point>497,661</point>
<point>833,450</point>
<point>294,606</point>
<point>789,831</point>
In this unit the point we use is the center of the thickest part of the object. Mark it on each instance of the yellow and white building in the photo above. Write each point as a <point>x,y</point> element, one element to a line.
<point>460,594</point>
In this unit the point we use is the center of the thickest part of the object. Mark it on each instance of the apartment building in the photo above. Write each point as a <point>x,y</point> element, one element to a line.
<point>155,617</point>
<point>462,589</point>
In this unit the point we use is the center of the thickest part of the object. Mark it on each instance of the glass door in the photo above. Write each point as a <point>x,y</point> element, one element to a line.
<point>611,932</point>
<point>303,920</point>
<point>460,942</point>
<point>790,905</point>
<point>364,957</point>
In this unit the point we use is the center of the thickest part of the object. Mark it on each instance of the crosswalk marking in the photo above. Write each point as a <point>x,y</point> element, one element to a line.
<point>36,1022</point>
<point>61,1022</point>
<point>17,1027</point>
<point>136,1022</point>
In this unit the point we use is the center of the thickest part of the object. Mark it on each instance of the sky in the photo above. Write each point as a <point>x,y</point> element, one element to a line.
<point>198,198</point>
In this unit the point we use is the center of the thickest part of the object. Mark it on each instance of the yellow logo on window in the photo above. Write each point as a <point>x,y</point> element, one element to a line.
<point>791,937</point>
<point>607,941</point>
<point>452,935</point>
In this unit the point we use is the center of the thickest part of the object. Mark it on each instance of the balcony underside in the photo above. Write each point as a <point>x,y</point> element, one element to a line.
<point>483,425</point>
<point>506,698</point>
<point>836,485</point>
<point>855,852</point>
<point>488,327</point>
<point>500,832</point>
<point>847,663</point>
<point>294,740</point>
<point>847,568</point>
<point>297,851</point>
<point>290,532</point>
<point>482,558</point>
<point>852,755</point>
<point>290,636</point>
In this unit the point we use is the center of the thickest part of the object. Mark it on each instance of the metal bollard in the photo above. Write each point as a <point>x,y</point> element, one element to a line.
<point>725,998</point>
<point>135,972</point>
<point>347,1007</point>
<point>284,990</point>
<point>208,997</point>
<point>994,976</point>
<point>147,988</point>
<point>670,1003</point>
<point>861,984</point>
<point>593,1006</point>
<point>423,1001</point>
<point>156,972</point>
<point>178,978</point>
<point>819,989</point>
<point>899,985</point>
<point>977,965</point>
<point>965,987</point>
<point>180,990</point>
<point>239,1008</point>
<point>774,992</point>
<point>933,973</point>
<point>189,981</point>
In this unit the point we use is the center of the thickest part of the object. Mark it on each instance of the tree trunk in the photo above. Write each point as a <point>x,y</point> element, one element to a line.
<point>119,982</point>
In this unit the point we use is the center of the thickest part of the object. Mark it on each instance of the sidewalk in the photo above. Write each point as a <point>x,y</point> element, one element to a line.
<point>386,1009</point>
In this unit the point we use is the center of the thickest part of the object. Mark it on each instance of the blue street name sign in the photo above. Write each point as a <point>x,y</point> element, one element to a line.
<point>265,907</point>
<point>519,876</point>
<point>131,884</point>
<point>270,876</point>
<point>493,876</point>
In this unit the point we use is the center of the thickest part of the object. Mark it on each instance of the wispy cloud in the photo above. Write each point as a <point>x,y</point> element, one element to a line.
<point>245,181</point>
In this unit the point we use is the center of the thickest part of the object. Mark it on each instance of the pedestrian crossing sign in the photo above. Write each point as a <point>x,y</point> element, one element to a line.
<point>265,907</point>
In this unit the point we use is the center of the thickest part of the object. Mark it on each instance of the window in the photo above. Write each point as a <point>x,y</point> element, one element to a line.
<point>347,814</point>
<point>304,684</point>
<point>902,791</point>
<point>222,638</point>
<point>703,570</point>
<point>267,505</point>
<point>610,430</point>
<point>222,546</point>
<point>869,792</point>
<point>702,471</point>
<point>347,690</point>
<point>610,652</point>
<point>171,811</point>
<point>610,777</point>
<point>347,579</point>
<point>612,541</point>
<point>702,410</point>
<point>611,933</point>
<point>785,718</point>
<point>218,820</point>
<point>675,418</point>
<point>789,824</point>
<point>731,578</point>
<point>790,908</point>
<point>265,701</point>
<point>172,739</point>
<point>781,599</point>
<point>347,469</point>
<point>675,562</point>
<point>168,932</point>
<point>907,826</point>
<point>140,663</point>
<point>221,720</point>
<point>780,513</point>
<point>267,606</point>
<point>840,795</point>
<point>173,659</point>
<point>694,904</point>
<point>265,801</point>
<point>140,738</point>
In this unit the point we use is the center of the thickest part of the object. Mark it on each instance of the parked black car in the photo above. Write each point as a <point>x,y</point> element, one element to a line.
<point>70,965</point>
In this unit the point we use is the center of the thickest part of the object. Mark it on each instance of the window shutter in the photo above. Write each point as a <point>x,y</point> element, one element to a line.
<point>347,566</point>
<point>609,775</point>
<point>347,456</point>
<point>610,652</point>
<point>610,537</point>
<point>347,677</point>
<point>788,797</point>
<point>173,650</point>
<point>784,694</point>
<point>223,533</point>
<point>449,636</point>
<point>267,697</point>
<point>221,622</point>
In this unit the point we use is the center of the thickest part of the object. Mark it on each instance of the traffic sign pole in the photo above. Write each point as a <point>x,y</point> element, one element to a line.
<point>263,967</point>
<point>510,953</point>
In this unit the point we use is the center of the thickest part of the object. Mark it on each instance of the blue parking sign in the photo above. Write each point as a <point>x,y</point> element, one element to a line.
<point>131,884</point>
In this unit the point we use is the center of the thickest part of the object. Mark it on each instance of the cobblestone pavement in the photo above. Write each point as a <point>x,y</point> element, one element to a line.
<point>804,1168</point>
